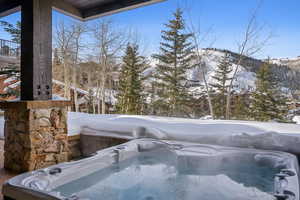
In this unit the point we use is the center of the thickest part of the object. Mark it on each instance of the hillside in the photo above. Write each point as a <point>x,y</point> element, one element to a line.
<point>293,63</point>
<point>287,71</point>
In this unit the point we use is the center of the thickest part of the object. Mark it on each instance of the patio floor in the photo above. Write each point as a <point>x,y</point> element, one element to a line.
<point>4,175</point>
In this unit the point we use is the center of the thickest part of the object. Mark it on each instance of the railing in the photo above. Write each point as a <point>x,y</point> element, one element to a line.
<point>9,48</point>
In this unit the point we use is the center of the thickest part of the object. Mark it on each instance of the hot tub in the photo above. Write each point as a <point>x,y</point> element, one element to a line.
<point>147,169</point>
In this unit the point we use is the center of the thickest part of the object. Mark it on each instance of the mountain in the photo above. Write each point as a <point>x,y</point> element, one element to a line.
<point>286,71</point>
<point>293,63</point>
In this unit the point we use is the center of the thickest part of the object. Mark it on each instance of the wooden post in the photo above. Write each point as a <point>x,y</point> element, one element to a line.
<point>36,50</point>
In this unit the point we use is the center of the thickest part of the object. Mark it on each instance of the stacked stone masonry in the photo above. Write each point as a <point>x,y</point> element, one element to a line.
<point>35,138</point>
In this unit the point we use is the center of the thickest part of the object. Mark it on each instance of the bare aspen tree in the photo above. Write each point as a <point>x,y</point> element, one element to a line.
<point>63,39</point>
<point>199,37</point>
<point>253,42</point>
<point>79,29</point>
<point>88,70</point>
<point>68,42</point>
<point>109,42</point>
<point>201,64</point>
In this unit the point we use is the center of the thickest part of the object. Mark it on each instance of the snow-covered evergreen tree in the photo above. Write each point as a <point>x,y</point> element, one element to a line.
<point>176,54</point>
<point>220,86</point>
<point>268,103</point>
<point>130,93</point>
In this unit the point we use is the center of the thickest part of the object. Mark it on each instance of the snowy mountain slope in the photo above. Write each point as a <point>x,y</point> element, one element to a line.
<point>287,73</point>
<point>288,77</point>
<point>293,63</point>
<point>245,79</point>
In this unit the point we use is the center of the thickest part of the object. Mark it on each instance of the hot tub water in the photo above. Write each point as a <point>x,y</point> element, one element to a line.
<point>157,175</point>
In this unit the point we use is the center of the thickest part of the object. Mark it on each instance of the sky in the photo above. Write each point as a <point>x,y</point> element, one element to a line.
<point>224,20</point>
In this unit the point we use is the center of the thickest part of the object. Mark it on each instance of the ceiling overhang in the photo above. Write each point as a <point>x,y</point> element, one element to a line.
<point>81,9</point>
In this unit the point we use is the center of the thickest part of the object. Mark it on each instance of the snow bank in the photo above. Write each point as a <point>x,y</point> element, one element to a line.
<point>271,136</point>
<point>296,119</point>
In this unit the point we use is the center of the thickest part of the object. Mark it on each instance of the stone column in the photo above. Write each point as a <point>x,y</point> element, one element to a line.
<point>36,134</point>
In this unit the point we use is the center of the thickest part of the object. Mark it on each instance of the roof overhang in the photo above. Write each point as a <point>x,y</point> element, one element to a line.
<point>81,9</point>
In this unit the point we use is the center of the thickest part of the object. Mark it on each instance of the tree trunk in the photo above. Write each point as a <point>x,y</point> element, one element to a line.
<point>103,106</point>
<point>75,97</point>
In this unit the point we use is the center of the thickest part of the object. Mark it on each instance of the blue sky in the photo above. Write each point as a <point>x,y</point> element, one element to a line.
<point>226,18</point>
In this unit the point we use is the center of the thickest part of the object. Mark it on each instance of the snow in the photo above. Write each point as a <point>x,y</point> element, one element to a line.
<point>206,117</point>
<point>279,60</point>
<point>12,86</point>
<point>250,134</point>
<point>56,97</point>
<point>10,79</point>
<point>296,119</point>
<point>77,89</point>
<point>110,95</point>
<point>244,80</point>
<point>291,62</point>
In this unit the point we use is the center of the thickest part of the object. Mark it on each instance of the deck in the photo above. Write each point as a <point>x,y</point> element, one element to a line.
<point>4,175</point>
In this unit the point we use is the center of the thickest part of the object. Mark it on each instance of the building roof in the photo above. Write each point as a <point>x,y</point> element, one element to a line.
<point>81,9</point>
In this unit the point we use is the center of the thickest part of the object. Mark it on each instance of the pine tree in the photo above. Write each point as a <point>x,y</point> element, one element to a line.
<point>267,101</point>
<point>13,30</point>
<point>130,93</point>
<point>176,54</point>
<point>220,86</point>
<point>241,107</point>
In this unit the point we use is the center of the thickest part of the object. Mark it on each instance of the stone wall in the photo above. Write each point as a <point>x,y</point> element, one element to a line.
<point>35,136</point>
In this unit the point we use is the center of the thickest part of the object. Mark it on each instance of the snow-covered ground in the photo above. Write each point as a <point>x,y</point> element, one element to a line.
<point>296,119</point>
<point>275,136</point>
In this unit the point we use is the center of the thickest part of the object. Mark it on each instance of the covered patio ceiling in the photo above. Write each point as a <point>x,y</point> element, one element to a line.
<point>80,9</point>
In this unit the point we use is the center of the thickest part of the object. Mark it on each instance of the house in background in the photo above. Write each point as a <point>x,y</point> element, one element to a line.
<point>10,91</point>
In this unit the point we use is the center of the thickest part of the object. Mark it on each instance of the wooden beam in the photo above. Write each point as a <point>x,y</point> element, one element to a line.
<point>11,6</point>
<point>36,50</point>
<point>115,7</point>
<point>67,9</point>
<point>8,7</point>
